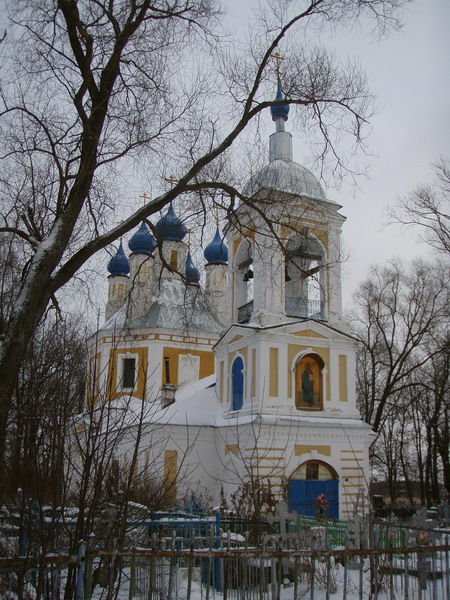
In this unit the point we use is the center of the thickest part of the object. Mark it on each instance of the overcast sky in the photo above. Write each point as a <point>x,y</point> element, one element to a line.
<point>409,73</point>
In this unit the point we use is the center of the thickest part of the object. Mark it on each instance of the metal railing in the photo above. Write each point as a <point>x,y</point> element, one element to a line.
<point>178,557</point>
<point>243,573</point>
<point>307,309</point>
<point>295,307</point>
<point>244,312</point>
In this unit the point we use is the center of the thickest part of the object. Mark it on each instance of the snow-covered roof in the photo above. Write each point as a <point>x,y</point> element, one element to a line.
<point>196,404</point>
<point>174,306</point>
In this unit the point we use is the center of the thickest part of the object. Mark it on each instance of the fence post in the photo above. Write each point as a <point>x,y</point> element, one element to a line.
<point>56,582</point>
<point>79,587</point>
<point>273,577</point>
<point>344,592</point>
<point>313,576</point>
<point>447,568</point>
<point>25,527</point>
<point>218,561</point>
<point>328,576</point>
<point>162,592</point>
<point>88,569</point>
<point>131,591</point>
<point>190,571</point>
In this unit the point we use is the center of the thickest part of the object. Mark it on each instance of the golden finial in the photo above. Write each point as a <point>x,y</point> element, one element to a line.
<point>189,231</point>
<point>217,216</point>
<point>171,179</point>
<point>277,56</point>
<point>119,223</point>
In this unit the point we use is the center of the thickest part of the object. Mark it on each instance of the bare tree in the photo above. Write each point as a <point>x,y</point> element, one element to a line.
<point>411,450</point>
<point>48,393</point>
<point>428,207</point>
<point>402,378</point>
<point>399,311</point>
<point>89,86</point>
<point>433,407</point>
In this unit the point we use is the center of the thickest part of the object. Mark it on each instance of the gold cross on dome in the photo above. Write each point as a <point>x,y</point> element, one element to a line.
<point>277,56</point>
<point>171,179</point>
<point>145,196</point>
<point>217,216</point>
<point>189,231</point>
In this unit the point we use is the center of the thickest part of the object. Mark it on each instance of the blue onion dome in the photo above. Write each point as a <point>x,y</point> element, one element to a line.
<point>216,252</point>
<point>170,227</point>
<point>142,241</point>
<point>281,110</point>
<point>192,273</point>
<point>118,264</point>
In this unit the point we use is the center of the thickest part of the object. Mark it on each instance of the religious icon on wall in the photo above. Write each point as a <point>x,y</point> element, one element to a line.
<point>308,383</point>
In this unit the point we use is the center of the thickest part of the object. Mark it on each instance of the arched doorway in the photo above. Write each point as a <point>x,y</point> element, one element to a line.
<point>311,479</point>
<point>237,384</point>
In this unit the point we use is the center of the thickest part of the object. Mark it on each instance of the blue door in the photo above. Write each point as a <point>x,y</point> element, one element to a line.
<point>237,383</point>
<point>302,496</point>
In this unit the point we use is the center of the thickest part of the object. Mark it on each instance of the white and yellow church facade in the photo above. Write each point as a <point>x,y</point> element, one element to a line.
<point>250,378</point>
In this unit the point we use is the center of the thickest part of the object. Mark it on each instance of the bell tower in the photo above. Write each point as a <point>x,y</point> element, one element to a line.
<point>285,258</point>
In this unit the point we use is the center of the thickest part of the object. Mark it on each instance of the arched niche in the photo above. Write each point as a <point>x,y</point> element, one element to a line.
<point>304,276</point>
<point>309,382</point>
<point>237,383</point>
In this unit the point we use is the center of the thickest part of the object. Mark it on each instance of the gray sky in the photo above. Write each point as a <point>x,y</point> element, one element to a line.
<point>409,72</point>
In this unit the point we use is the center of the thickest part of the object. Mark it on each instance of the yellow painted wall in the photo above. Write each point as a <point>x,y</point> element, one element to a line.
<point>273,372</point>
<point>93,381</point>
<point>206,362</point>
<point>233,448</point>
<point>170,473</point>
<point>253,382</point>
<point>221,378</point>
<point>343,378</point>
<point>309,333</point>
<point>307,448</point>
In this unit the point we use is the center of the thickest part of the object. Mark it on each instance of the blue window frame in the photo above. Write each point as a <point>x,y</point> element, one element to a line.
<point>237,384</point>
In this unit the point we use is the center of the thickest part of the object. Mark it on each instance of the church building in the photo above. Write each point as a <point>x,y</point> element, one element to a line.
<point>249,378</point>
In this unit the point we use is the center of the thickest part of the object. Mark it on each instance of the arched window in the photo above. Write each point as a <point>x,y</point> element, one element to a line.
<point>237,384</point>
<point>243,281</point>
<point>308,383</point>
<point>304,276</point>
<point>315,469</point>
